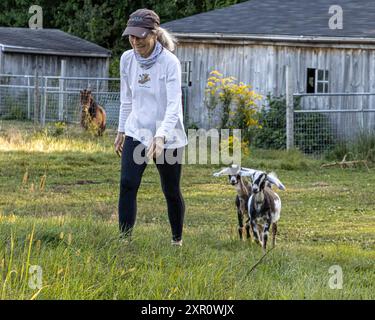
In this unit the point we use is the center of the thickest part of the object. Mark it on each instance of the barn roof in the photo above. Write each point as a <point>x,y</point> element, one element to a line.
<point>293,19</point>
<point>48,41</point>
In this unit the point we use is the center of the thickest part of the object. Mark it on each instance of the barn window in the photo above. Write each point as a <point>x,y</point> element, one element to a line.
<point>186,73</point>
<point>317,81</point>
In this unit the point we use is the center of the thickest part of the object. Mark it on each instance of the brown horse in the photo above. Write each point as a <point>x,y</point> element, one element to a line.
<point>93,115</point>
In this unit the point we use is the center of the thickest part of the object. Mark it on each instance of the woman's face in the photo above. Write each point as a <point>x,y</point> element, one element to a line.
<point>145,46</point>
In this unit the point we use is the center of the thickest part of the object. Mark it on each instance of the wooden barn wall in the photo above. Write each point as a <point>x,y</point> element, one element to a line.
<point>262,66</point>
<point>50,65</point>
<point>1,61</point>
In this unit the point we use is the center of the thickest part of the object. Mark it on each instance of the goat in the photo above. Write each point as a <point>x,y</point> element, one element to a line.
<point>243,188</point>
<point>93,115</point>
<point>264,206</point>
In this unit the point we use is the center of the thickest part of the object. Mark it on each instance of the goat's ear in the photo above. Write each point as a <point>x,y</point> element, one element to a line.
<point>274,180</point>
<point>225,171</point>
<point>246,172</point>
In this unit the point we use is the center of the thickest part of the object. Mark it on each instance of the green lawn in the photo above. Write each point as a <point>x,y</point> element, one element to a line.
<point>69,227</point>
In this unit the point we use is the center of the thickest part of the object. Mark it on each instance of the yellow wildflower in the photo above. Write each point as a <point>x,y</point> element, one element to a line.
<point>215,72</point>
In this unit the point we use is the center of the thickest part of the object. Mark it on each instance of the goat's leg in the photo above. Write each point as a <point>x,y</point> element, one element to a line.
<point>254,228</point>
<point>265,235</point>
<point>240,222</point>
<point>274,232</point>
<point>248,229</point>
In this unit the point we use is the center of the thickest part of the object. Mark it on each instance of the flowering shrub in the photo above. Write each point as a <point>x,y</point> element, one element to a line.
<point>238,102</point>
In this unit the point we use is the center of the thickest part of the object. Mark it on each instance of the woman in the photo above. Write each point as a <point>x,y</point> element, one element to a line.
<point>151,120</point>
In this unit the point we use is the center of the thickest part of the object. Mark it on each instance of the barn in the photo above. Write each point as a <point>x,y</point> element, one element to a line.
<point>254,41</point>
<point>42,71</point>
<point>25,50</point>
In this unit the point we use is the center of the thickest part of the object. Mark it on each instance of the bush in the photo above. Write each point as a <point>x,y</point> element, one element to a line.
<point>272,134</point>
<point>58,129</point>
<point>312,130</point>
<point>238,102</point>
<point>15,113</point>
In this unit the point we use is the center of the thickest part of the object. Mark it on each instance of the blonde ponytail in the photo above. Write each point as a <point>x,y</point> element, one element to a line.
<point>166,39</point>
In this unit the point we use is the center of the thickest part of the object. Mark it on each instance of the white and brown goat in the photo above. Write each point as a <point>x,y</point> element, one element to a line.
<point>243,187</point>
<point>264,206</point>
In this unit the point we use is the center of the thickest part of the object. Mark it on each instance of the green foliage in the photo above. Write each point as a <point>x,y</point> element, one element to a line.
<point>87,20</point>
<point>312,131</point>
<point>114,68</point>
<point>238,102</point>
<point>272,134</point>
<point>59,128</point>
<point>15,113</point>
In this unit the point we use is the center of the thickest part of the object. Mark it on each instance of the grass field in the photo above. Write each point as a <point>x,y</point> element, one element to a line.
<point>58,210</point>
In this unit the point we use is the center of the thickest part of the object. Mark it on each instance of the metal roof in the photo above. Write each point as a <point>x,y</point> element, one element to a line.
<point>48,41</point>
<point>282,18</point>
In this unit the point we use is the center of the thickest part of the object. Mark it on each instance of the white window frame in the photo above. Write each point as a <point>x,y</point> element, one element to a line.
<point>323,82</point>
<point>186,67</point>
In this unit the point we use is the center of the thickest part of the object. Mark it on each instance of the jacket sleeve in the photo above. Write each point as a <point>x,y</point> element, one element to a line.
<point>173,109</point>
<point>125,96</point>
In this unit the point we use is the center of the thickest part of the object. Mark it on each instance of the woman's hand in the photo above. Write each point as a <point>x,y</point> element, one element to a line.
<point>156,148</point>
<point>119,142</point>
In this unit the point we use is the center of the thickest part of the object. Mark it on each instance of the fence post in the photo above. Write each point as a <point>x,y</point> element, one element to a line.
<point>36,97</point>
<point>289,109</point>
<point>44,107</point>
<point>28,99</point>
<point>61,89</point>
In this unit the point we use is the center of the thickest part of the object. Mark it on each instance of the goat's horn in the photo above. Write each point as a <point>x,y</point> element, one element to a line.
<point>274,180</point>
<point>222,172</point>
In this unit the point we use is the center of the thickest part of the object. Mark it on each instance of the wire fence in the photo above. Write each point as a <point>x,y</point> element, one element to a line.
<point>51,99</point>
<point>315,124</point>
<point>324,121</point>
<point>47,99</point>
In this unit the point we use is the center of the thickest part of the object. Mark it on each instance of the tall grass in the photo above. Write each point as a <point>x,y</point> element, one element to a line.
<point>58,210</point>
<point>362,147</point>
<point>49,139</point>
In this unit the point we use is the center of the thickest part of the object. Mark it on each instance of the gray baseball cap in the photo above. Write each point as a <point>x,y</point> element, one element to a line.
<point>141,22</point>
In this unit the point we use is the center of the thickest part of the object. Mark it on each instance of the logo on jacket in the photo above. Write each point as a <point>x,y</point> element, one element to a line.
<point>143,78</point>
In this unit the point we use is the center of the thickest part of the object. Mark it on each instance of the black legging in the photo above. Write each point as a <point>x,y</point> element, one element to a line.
<point>131,175</point>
